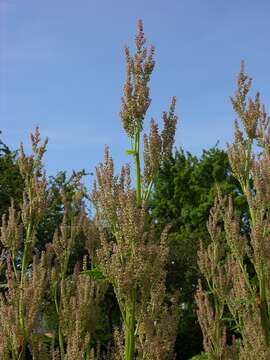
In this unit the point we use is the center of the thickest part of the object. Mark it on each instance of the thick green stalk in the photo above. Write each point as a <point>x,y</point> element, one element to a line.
<point>23,271</point>
<point>263,308</point>
<point>22,279</point>
<point>130,329</point>
<point>138,169</point>
<point>27,243</point>
<point>61,343</point>
<point>14,265</point>
<point>65,264</point>
<point>130,320</point>
<point>60,333</point>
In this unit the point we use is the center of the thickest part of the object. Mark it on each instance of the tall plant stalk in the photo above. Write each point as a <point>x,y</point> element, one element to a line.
<point>241,273</point>
<point>24,299</point>
<point>134,258</point>
<point>33,208</point>
<point>75,293</point>
<point>25,320</point>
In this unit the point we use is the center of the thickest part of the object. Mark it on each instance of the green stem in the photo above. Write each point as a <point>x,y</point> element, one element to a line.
<point>25,251</point>
<point>61,343</point>
<point>245,274</point>
<point>13,355</point>
<point>14,265</point>
<point>130,313</point>
<point>22,353</point>
<point>60,334</point>
<point>130,329</point>
<point>263,308</point>
<point>27,243</point>
<point>22,280</point>
<point>65,265</point>
<point>148,191</point>
<point>138,169</point>
<point>63,275</point>
<point>23,271</point>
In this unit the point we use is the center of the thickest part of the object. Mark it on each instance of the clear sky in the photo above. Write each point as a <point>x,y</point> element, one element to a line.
<point>62,67</point>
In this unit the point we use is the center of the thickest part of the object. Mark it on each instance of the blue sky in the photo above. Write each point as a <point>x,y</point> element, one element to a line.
<point>62,67</point>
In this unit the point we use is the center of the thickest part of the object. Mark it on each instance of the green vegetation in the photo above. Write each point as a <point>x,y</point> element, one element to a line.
<point>235,264</point>
<point>126,283</point>
<point>184,193</point>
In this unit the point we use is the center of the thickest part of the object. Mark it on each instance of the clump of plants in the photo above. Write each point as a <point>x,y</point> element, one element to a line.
<point>47,308</point>
<point>233,297</point>
<point>49,305</point>
<point>131,256</point>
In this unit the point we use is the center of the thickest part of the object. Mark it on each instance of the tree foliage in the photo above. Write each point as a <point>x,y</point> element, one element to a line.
<point>11,182</point>
<point>106,287</point>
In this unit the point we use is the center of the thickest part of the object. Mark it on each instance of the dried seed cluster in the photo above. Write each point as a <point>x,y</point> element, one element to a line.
<point>45,282</point>
<point>131,255</point>
<point>236,265</point>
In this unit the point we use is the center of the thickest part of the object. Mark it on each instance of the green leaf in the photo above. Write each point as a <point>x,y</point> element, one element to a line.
<point>202,356</point>
<point>95,274</point>
<point>131,152</point>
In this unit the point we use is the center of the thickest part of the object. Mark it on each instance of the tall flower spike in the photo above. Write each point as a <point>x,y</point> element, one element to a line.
<point>131,256</point>
<point>136,100</point>
<point>154,147</point>
<point>249,111</point>
<point>30,165</point>
<point>168,133</point>
<point>244,269</point>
